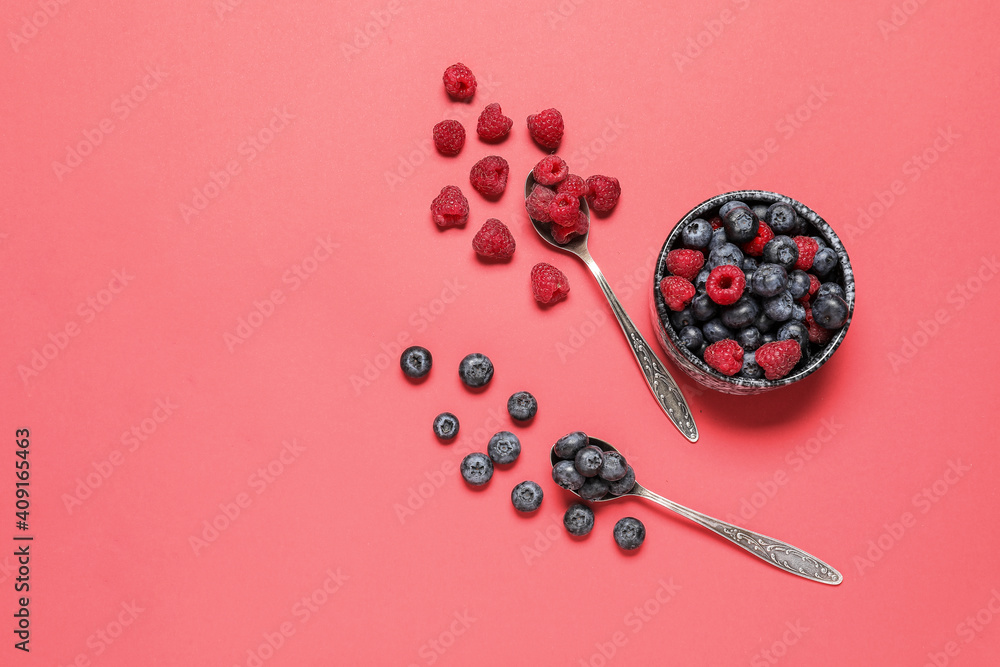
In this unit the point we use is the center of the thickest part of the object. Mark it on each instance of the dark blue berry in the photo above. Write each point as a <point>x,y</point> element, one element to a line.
<point>779,308</point>
<point>749,338</point>
<point>824,261</point>
<point>702,278</point>
<point>829,311</point>
<point>588,460</point>
<point>614,467</point>
<point>446,426</point>
<point>798,312</point>
<point>781,250</point>
<point>729,206</point>
<point>702,307</point>
<point>741,224</point>
<point>622,486</point>
<point>796,331</point>
<point>629,533</point>
<point>820,241</point>
<point>768,338</point>
<point>477,469</point>
<point>760,210</point>
<point>476,370</point>
<point>696,234</point>
<point>579,519</point>
<point>718,239</point>
<point>741,314</point>
<point>715,330</point>
<point>830,288</point>
<point>691,338</point>
<point>567,446</point>
<point>565,474</point>
<point>727,253</point>
<point>763,323</point>
<point>798,283</point>
<point>750,367</point>
<point>749,266</point>
<point>682,318</point>
<point>594,488</point>
<point>504,447</point>
<point>769,280</point>
<point>522,406</point>
<point>415,362</point>
<point>526,496</point>
<point>781,218</point>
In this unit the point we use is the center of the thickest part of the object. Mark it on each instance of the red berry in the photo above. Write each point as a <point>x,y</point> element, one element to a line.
<point>450,208</point>
<point>449,137</point>
<point>685,263</point>
<point>603,194</point>
<point>493,240</point>
<point>538,203</point>
<point>677,292</point>
<point>460,82</point>
<point>563,235</point>
<point>756,247</point>
<point>807,251</point>
<point>564,210</point>
<point>548,283</point>
<point>550,170</point>
<point>778,358</point>
<point>546,128</point>
<point>716,222</point>
<point>725,356</point>
<point>574,185</point>
<point>493,125</point>
<point>817,334</point>
<point>725,284</point>
<point>489,176</point>
<point>813,288</point>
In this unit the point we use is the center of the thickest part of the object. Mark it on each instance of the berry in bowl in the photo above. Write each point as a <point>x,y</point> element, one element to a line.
<point>753,290</point>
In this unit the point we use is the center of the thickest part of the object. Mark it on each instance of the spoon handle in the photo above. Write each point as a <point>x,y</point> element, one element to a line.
<point>768,549</point>
<point>660,382</point>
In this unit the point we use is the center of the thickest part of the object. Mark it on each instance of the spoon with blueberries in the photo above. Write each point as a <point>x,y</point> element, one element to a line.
<point>596,471</point>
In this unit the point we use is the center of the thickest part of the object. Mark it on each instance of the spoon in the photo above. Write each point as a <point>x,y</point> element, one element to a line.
<point>660,382</point>
<point>768,549</point>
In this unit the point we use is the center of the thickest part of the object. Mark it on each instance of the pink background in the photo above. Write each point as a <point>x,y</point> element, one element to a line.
<point>362,545</point>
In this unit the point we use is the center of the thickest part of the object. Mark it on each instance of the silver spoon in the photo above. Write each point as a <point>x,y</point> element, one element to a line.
<point>660,382</point>
<point>768,549</point>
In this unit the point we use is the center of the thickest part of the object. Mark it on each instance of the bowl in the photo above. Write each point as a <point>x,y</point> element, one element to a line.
<point>814,356</point>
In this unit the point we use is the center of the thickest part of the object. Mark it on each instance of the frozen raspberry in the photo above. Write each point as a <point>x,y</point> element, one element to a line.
<point>778,358</point>
<point>725,356</point>
<point>493,125</point>
<point>493,240</point>
<point>449,137</point>
<point>685,263</point>
<point>538,203</point>
<point>564,210</point>
<point>548,283</point>
<point>725,284</point>
<point>564,235</point>
<point>817,334</point>
<point>755,248</point>
<point>677,292</point>
<point>807,252</point>
<point>450,208</point>
<point>603,193</point>
<point>573,185</point>
<point>489,176</point>
<point>546,128</point>
<point>550,170</point>
<point>460,82</point>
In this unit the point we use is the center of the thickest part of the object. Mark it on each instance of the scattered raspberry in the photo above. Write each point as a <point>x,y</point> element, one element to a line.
<point>538,203</point>
<point>603,194</point>
<point>685,263</point>
<point>716,222</point>
<point>450,208</point>
<point>756,247</point>
<point>807,251</point>
<point>460,82</point>
<point>546,128</point>
<point>449,137</point>
<point>725,284</point>
<point>489,176</point>
<point>778,358</point>
<point>548,283</point>
<point>563,235</point>
<point>725,356</point>
<point>817,334</point>
<point>564,210</point>
<point>493,240</point>
<point>493,125</point>
<point>573,185</point>
<point>550,170</point>
<point>677,292</point>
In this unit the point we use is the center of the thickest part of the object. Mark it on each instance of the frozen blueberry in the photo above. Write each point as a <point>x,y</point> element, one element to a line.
<point>830,288</point>
<point>741,224</point>
<point>824,261</point>
<point>691,338</point>
<point>565,474</point>
<point>702,306</point>
<point>446,426</point>
<point>522,406</point>
<point>696,234</point>
<point>781,250</point>
<point>702,278</point>
<point>504,447</point>
<point>829,311</point>
<point>682,318</point>
<point>715,330</point>
<point>622,486</point>
<point>750,367</point>
<point>567,446</point>
<point>725,254</point>
<point>588,460</point>
<point>579,519</point>
<point>781,218</point>
<point>779,308</point>
<point>769,280</point>
<point>594,488</point>
<point>749,338</point>
<point>614,467</point>
<point>476,370</point>
<point>526,496</point>
<point>798,283</point>
<point>798,312</point>
<point>477,469</point>
<point>415,361</point>
<point>796,331</point>
<point>740,314</point>
<point>718,239</point>
<point>763,323</point>
<point>629,533</point>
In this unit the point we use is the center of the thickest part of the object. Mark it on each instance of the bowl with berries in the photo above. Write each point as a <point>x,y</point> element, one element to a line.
<point>752,291</point>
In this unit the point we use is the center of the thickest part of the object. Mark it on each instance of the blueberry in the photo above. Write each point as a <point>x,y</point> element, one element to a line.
<point>715,330</point>
<point>522,406</point>
<point>779,308</point>
<point>798,312</point>
<point>798,283</point>
<point>476,370</point>
<point>622,486</point>
<point>796,331</point>
<point>781,218</point>
<point>830,288</point>
<point>567,446</point>
<point>741,314</point>
<point>579,519</point>
<point>820,241</point>
<point>701,350</point>
<point>504,447</point>
<point>415,361</point>
<point>696,234</point>
<point>446,426</point>
<point>763,323</point>
<point>829,311</point>
<point>767,338</point>
<point>629,533</point>
<point>729,206</point>
<point>769,280</point>
<point>824,261</point>
<point>741,224</point>
<point>727,253</point>
<point>565,474</point>
<point>750,367</point>
<point>702,307</point>
<point>691,338</point>
<point>613,468</point>
<point>749,265</point>
<point>781,250</point>
<point>682,318</point>
<point>749,338</point>
<point>477,469</point>
<point>718,239</point>
<point>526,496</point>
<point>594,488</point>
<point>588,460</point>
<point>702,278</point>
<point>760,210</point>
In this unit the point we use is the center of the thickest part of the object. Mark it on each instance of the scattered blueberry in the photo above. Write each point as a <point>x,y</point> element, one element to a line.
<point>749,338</point>
<point>769,280</point>
<point>526,496</point>
<point>588,460</point>
<point>504,447</point>
<point>702,306</point>
<point>781,218</point>
<point>579,519</point>
<point>614,467</point>
<point>798,283</point>
<point>796,331</point>
<point>522,406</point>
<point>781,250</point>
<point>415,361</point>
<point>726,253</point>
<point>594,488</point>
<point>829,311</point>
<point>824,261</point>
<point>477,469</point>
<point>691,338</point>
<point>629,533</point>
<point>446,426</point>
<point>567,446</point>
<point>715,330</point>
<point>750,368</point>
<point>779,308</point>
<point>476,370</point>
<point>565,474</point>
<point>741,224</point>
<point>622,486</point>
<point>696,234</point>
<point>740,314</point>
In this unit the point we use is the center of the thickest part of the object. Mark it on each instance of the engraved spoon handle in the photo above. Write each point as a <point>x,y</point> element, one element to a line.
<point>768,549</point>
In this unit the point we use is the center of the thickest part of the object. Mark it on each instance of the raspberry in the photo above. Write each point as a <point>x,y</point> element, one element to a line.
<point>685,263</point>
<point>716,222</point>
<point>546,128</point>
<point>603,194</point>
<point>725,284</point>
<point>489,176</point>
<point>725,356</point>
<point>573,185</point>
<point>550,170</point>
<point>563,235</point>
<point>450,208</point>
<point>807,251</point>
<point>755,248</point>
<point>813,288</point>
<point>778,358</point>
<point>538,203</point>
<point>493,240</point>
<point>564,210</point>
<point>460,82</point>
<point>817,334</point>
<point>493,125</point>
<point>677,292</point>
<point>548,283</point>
<point>449,137</point>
